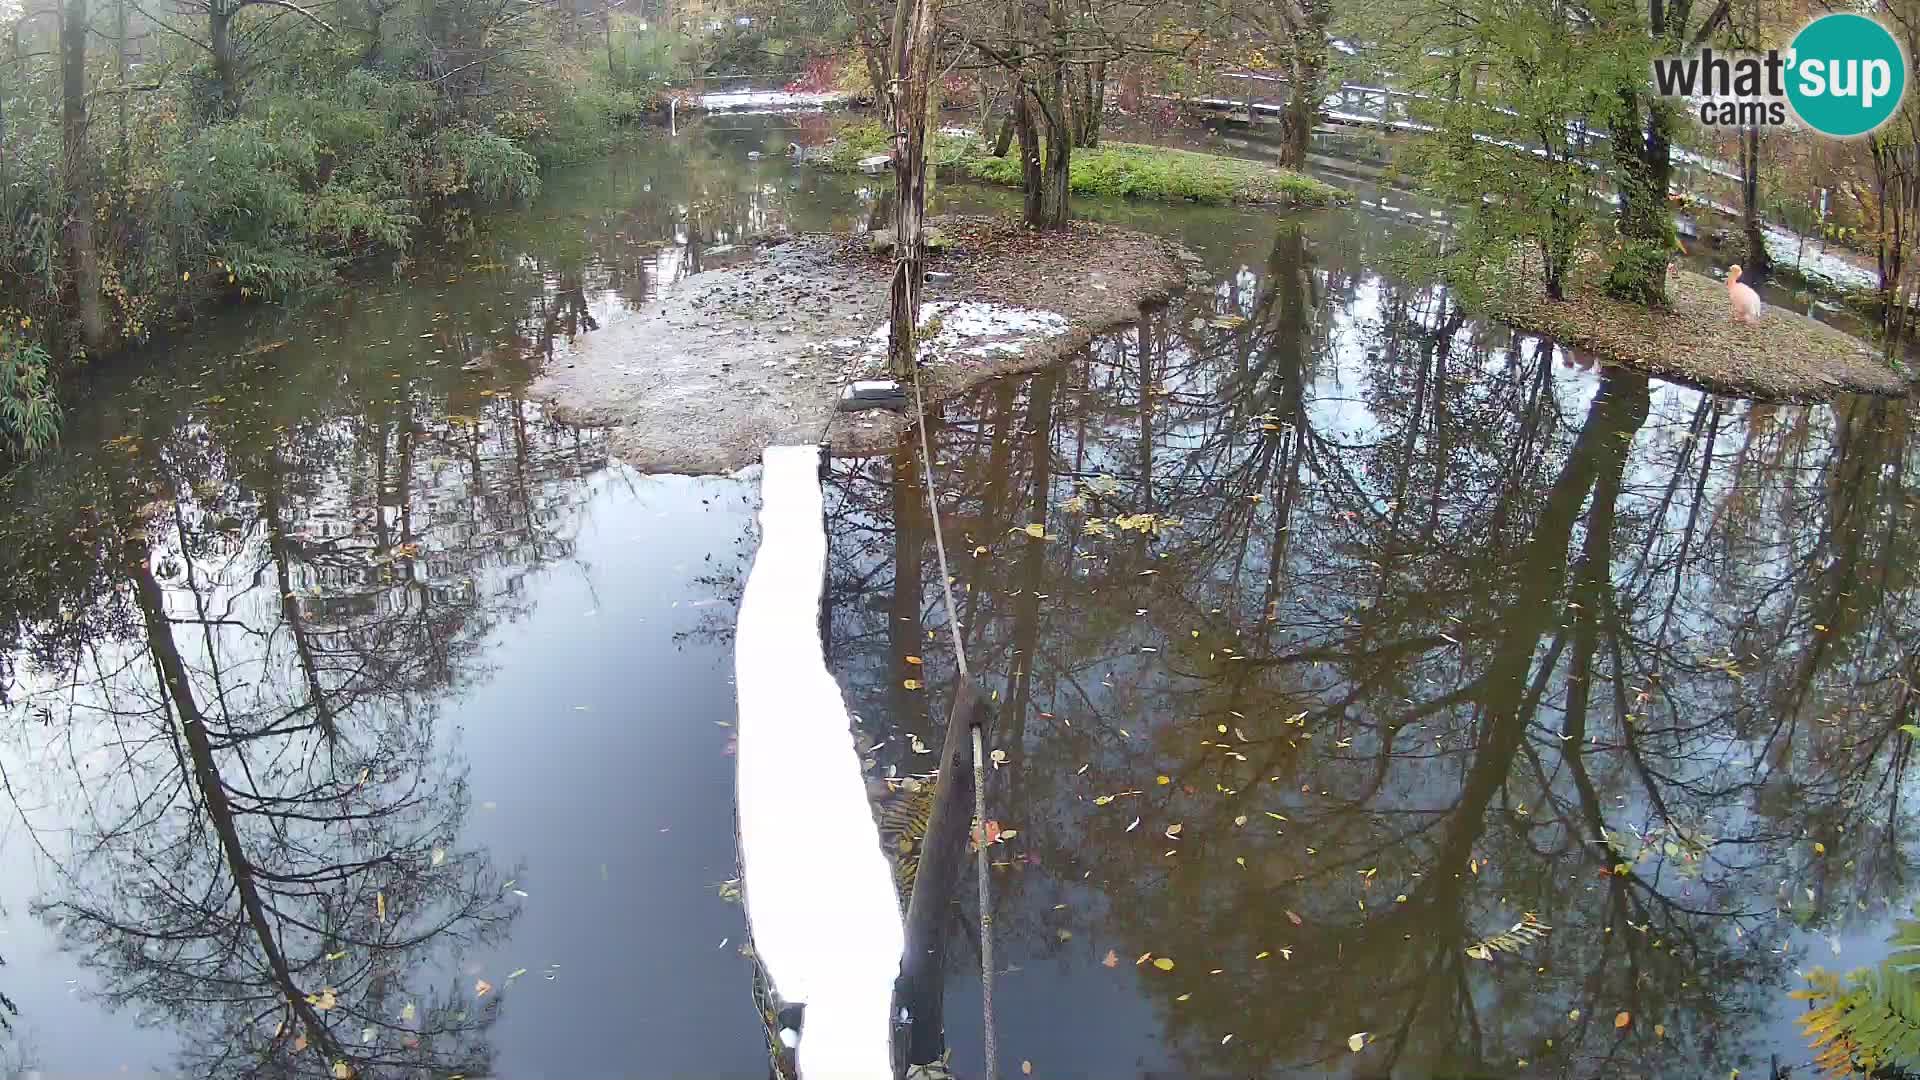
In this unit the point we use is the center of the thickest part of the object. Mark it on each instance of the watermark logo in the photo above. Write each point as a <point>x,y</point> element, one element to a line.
<point>1844,75</point>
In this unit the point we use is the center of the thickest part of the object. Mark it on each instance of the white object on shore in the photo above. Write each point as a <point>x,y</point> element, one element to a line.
<point>819,891</point>
<point>769,101</point>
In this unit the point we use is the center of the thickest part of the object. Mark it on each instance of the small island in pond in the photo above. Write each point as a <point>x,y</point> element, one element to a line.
<point>1695,339</point>
<point>730,361</point>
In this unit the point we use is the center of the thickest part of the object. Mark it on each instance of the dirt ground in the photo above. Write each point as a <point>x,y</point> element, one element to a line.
<point>728,362</point>
<point>1787,357</point>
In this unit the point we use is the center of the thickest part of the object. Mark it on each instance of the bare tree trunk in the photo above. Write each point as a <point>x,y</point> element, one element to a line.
<point>1758,262</point>
<point>913,64</point>
<point>123,148</point>
<point>78,165</point>
<point>1032,183</point>
<point>225,67</point>
<point>1056,109</point>
<point>1307,48</point>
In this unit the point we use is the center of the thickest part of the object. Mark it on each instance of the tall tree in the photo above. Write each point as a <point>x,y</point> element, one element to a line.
<point>907,95</point>
<point>1642,135</point>
<point>78,164</point>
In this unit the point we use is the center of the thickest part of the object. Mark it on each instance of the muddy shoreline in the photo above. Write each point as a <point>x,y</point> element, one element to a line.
<point>730,361</point>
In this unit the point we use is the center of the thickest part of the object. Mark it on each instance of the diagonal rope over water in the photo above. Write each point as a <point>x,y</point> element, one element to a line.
<point>979,752</point>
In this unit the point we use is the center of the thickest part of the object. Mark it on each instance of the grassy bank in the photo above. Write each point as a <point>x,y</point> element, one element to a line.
<point>1126,170</point>
<point>1788,356</point>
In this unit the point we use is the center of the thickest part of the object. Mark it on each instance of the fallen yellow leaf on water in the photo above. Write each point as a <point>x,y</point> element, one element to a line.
<point>1026,1068</point>
<point>1163,780</point>
<point>914,660</point>
<point>1174,829</point>
<point>1102,800</point>
<point>332,956</point>
<point>380,906</point>
<point>324,1000</point>
<point>1659,1031</point>
<point>1819,848</point>
<point>1241,820</point>
<point>342,1071</point>
<point>300,1043</point>
<point>1112,959</point>
<point>1292,918</point>
<point>1357,1041</point>
<point>481,988</point>
<point>1574,1016</point>
<point>1262,955</point>
<point>1621,1020</point>
<point>1038,532</point>
<point>517,972</point>
<point>911,684</point>
<point>1163,964</point>
<point>406,1014</point>
<point>439,856</point>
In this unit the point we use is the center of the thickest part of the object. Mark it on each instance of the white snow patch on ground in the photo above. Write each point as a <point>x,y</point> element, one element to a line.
<point>971,328</point>
<point>819,891</point>
<point>769,100</point>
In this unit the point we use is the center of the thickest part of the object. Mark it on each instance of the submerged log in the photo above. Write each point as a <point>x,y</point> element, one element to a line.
<point>920,1035</point>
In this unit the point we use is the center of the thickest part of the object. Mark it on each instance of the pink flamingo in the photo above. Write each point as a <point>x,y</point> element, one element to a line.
<point>1746,302</point>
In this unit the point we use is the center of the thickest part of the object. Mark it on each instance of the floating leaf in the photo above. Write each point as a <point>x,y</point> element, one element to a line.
<point>1173,830</point>
<point>439,856</point>
<point>1064,935</point>
<point>1112,959</point>
<point>1026,1068</point>
<point>1911,729</point>
<point>1102,800</point>
<point>914,660</point>
<point>481,988</point>
<point>1292,918</point>
<point>380,906</point>
<point>1574,1016</point>
<point>517,972</point>
<point>1622,1019</point>
<point>406,1014</point>
<point>1819,848</point>
<point>1163,963</point>
<point>323,1000</point>
<point>1357,1041</point>
<point>342,1071</point>
<point>1163,780</point>
<point>332,956</point>
<point>911,684</point>
<point>1524,932</point>
<point>1659,1031</point>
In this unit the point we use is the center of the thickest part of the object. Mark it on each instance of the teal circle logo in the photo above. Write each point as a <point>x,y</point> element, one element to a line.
<point>1846,75</point>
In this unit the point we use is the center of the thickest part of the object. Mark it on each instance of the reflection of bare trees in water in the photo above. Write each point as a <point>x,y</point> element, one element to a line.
<point>255,814</point>
<point>1440,620</point>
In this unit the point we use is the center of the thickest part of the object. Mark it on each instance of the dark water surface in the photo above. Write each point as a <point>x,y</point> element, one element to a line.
<point>330,662</point>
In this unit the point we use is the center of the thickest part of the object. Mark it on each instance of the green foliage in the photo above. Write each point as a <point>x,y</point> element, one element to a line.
<point>1132,171</point>
<point>1635,264</point>
<point>1524,173</point>
<point>324,148</point>
<point>29,414</point>
<point>1869,1020</point>
<point>1121,170</point>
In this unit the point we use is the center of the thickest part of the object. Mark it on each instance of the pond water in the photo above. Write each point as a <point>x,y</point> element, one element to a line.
<point>1353,625</point>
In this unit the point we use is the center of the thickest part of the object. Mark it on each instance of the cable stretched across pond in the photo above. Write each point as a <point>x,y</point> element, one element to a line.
<point>979,751</point>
